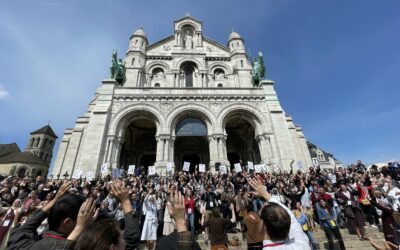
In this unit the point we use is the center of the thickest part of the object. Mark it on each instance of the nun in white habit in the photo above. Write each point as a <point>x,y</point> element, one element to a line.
<point>150,225</point>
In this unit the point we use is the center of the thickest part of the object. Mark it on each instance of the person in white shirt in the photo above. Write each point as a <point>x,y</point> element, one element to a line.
<point>282,231</point>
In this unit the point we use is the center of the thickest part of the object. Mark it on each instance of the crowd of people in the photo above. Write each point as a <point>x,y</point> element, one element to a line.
<point>280,209</point>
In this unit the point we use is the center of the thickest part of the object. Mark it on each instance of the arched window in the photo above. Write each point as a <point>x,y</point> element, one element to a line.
<point>41,155</point>
<point>136,42</point>
<point>158,73</point>
<point>133,61</point>
<point>45,143</point>
<point>187,71</point>
<point>32,142</point>
<point>219,74</point>
<point>238,44</point>
<point>220,85</point>
<point>157,85</point>
<point>37,142</point>
<point>45,157</point>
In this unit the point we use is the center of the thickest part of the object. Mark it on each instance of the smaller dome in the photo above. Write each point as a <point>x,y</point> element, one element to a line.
<point>234,35</point>
<point>139,32</point>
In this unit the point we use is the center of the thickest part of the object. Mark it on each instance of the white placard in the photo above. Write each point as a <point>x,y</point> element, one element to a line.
<point>131,169</point>
<point>238,167</point>
<point>104,168</point>
<point>299,165</point>
<point>264,168</point>
<point>152,170</point>
<point>258,168</point>
<point>169,166</point>
<point>202,168</point>
<point>89,175</point>
<point>332,161</point>
<point>223,169</point>
<point>250,165</point>
<point>186,166</point>
<point>77,174</point>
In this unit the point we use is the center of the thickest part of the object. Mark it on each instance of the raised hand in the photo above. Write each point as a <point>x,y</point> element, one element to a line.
<point>63,189</point>
<point>85,216</point>
<point>259,189</point>
<point>176,207</point>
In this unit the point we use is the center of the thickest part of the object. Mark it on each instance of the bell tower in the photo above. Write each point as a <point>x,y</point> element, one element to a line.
<point>41,143</point>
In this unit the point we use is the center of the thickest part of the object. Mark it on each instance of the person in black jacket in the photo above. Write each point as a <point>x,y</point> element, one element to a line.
<point>67,218</point>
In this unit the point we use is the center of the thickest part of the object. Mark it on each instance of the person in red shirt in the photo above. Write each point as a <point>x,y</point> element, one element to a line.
<point>189,208</point>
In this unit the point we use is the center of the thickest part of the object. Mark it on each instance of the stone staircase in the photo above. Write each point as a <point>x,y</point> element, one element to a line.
<point>351,240</point>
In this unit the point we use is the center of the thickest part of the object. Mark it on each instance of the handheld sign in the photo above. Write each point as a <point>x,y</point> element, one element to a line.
<point>299,165</point>
<point>264,168</point>
<point>250,165</point>
<point>238,167</point>
<point>223,169</point>
<point>258,168</point>
<point>169,166</point>
<point>186,166</point>
<point>89,175</point>
<point>152,170</point>
<point>202,168</point>
<point>77,174</point>
<point>104,168</point>
<point>131,169</point>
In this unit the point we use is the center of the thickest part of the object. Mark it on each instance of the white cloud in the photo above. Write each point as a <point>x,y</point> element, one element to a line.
<point>3,92</point>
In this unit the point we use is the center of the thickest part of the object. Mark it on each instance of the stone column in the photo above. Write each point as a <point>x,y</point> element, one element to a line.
<point>110,149</point>
<point>213,149</point>
<point>166,148</point>
<point>171,148</point>
<point>262,147</point>
<point>117,150</point>
<point>224,152</point>
<point>160,150</point>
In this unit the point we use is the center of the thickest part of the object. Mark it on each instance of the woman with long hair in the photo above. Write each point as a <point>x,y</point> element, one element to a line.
<point>329,224</point>
<point>190,208</point>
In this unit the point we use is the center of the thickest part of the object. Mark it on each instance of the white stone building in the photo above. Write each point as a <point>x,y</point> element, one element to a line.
<point>185,98</point>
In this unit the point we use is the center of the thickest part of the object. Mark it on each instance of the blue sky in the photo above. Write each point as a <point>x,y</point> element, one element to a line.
<point>336,64</point>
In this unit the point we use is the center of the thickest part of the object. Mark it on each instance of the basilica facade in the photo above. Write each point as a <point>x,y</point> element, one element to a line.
<point>185,98</point>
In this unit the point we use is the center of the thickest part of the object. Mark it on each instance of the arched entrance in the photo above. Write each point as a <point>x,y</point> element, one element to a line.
<point>22,172</point>
<point>139,143</point>
<point>241,144</point>
<point>191,144</point>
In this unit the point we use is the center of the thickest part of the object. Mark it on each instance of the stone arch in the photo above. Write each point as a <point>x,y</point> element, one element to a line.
<point>215,65</point>
<point>126,114</point>
<point>190,110</point>
<point>23,170</point>
<point>242,110</point>
<point>200,66</point>
<point>149,68</point>
<point>196,26</point>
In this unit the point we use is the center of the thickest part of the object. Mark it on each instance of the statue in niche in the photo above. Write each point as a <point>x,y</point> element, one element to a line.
<point>188,40</point>
<point>219,75</point>
<point>159,75</point>
<point>117,69</point>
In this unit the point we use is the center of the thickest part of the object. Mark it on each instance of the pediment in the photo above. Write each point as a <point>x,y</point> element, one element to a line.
<point>167,46</point>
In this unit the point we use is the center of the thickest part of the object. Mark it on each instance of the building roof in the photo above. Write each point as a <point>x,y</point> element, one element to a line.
<point>139,32</point>
<point>45,130</point>
<point>313,153</point>
<point>6,149</point>
<point>22,157</point>
<point>234,35</point>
